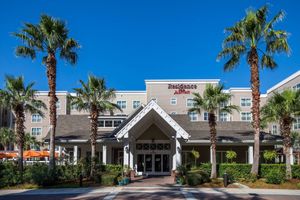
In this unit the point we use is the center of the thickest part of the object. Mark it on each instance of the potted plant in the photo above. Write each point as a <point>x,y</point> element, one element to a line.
<point>126,172</point>
<point>120,180</point>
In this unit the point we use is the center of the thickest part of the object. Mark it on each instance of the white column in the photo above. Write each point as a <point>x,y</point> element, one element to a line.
<point>104,154</point>
<point>75,155</point>
<point>210,153</point>
<point>177,154</point>
<point>250,154</point>
<point>59,151</point>
<point>126,153</point>
<point>131,154</point>
<point>291,156</point>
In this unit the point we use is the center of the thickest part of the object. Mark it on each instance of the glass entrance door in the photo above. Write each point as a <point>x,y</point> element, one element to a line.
<point>148,161</point>
<point>153,163</point>
<point>157,162</point>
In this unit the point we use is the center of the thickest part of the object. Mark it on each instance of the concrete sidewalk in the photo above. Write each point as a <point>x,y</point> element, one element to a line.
<point>233,191</point>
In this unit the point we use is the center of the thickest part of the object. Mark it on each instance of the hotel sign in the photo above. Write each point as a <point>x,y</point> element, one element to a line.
<point>182,88</point>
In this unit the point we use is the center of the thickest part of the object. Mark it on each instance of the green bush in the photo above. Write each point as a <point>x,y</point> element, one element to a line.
<point>296,171</point>
<point>197,177</point>
<point>38,174</point>
<point>235,171</point>
<point>9,174</point>
<point>266,168</point>
<point>275,176</point>
<point>108,179</point>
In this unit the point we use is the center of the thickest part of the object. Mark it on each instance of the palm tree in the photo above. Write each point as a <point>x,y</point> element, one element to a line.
<point>212,97</point>
<point>95,98</point>
<point>20,98</point>
<point>7,136</point>
<point>255,38</point>
<point>30,140</point>
<point>282,107</point>
<point>49,37</point>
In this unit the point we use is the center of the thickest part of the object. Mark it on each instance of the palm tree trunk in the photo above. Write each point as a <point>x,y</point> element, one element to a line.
<point>19,111</point>
<point>285,129</point>
<point>51,75</point>
<point>213,141</point>
<point>94,128</point>
<point>253,61</point>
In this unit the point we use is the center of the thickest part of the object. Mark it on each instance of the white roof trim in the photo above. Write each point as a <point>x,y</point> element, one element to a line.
<point>41,93</point>
<point>191,81</point>
<point>291,77</point>
<point>152,105</point>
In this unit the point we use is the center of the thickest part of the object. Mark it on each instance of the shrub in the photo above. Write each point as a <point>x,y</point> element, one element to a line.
<point>38,174</point>
<point>108,179</point>
<point>197,177</point>
<point>296,171</point>
<point>266,168</point>
<point>235,171</point>
<point>269,155</point>
<point>9,174</point>
<point>275,176</point>
<point>230,155</point>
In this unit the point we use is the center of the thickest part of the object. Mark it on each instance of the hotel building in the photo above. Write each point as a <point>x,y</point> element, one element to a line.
<point>155,132</point>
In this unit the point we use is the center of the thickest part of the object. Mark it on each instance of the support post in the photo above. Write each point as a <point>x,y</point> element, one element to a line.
<point>291,156</point>
<point>177,154</point>
<point>210,153</point>
<point>250,154</point>
<point>104,154</point>
<point>75,155</point>
<point>126,153</point>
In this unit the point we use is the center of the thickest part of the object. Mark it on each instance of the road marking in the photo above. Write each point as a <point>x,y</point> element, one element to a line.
<point>111,195</point>
<point>187,195</point>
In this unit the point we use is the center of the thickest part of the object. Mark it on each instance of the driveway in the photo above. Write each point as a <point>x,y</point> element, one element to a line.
<point>132,193</point>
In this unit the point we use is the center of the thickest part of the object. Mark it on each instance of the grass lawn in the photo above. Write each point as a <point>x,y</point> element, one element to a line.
<point>292,184</point>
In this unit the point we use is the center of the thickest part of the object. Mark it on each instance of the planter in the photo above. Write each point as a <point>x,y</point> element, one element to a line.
<point>126,181</point>
<point>120,183</point>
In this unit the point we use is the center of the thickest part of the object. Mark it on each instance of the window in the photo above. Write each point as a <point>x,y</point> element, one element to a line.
<point>246,116</point>
<point>297,87</point>
<point>274,129</point>
<point>190,102</point>
<point>205,116</point>
<point>173,113</point>
<point>136,104</point>
<point>297,123</point>
<point>173,101</point>
<point>224,117</point>
<point>117,122</point>
<point>36,131</point>
<point>58,104</point>
<point>35,118</point>
<point>121,104</point>
<point>193,116</point>
<point>108,123</point>
<point>223,104</point>
<point>245,102</point>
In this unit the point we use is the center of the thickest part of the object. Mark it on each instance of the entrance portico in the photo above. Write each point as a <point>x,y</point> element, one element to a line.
<point>152,141</point>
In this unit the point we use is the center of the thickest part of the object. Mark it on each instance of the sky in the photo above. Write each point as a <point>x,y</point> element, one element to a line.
<point>126,42</point>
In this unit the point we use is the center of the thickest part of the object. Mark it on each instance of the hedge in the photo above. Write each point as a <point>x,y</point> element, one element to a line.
<point>238,170</point>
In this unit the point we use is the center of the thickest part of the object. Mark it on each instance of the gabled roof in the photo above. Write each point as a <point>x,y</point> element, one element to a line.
<point>152,105</point>
<point>234,131</point>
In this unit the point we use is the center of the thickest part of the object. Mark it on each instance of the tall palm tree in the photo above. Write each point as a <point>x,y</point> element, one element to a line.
<point>212,97</point>
<point>281,108</point>
<point>95,98</point>
<point>30,140</point>
<point>255,38</point>
<point>49,37</point>
<point>20,98</point>
<point>7,136</point>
